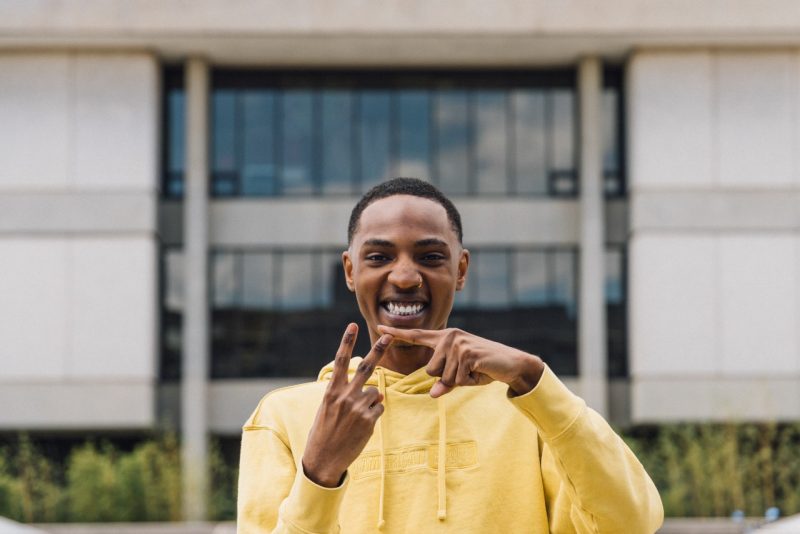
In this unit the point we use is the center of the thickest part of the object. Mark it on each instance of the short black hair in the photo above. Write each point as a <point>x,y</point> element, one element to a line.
<point>404,186</point>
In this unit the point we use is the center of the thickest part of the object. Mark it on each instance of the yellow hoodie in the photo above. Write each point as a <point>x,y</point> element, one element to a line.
<point>474,460</point>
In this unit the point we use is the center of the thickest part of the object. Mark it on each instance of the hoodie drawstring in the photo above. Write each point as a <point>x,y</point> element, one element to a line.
<point>441,465</point>
<point>381,433</point>
<point>441,461</point>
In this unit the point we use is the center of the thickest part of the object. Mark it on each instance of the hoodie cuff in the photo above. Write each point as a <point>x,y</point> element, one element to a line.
<point>311,507</point>
<point>550,405</point>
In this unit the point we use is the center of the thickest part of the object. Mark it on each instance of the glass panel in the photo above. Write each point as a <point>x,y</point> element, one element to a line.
<point>296,290</point>
<point>613,277</point>
<point>298,153</point>
<point>611,150</point>
<point>177,142</point>
<point>337,141</point>
<point>562,131</point>
<point>258,158</point>
<point>530,144</point>
<point>225,272</point>
<point>492,279</point>
<point>563,273</point>
<point>563,176</point>
<point>490,141</point>
<point>330,275</point>
<point>375,120</point>
<point>173,270</point>
<point>224,160</point>
<point>530,278</point>
<point>258,281</point>
<point>452,141</point>
<point>413,152</point>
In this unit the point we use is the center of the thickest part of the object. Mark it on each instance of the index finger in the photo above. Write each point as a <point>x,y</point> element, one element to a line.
<point>415,336</point>
<point>342,361</point>
<point>367,365</point>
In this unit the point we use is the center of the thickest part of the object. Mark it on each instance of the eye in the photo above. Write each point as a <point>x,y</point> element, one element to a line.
<point>433,257</point>
<point>377,257</point>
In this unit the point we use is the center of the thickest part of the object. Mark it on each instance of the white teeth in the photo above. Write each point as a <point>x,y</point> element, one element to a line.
<point>403,309</point>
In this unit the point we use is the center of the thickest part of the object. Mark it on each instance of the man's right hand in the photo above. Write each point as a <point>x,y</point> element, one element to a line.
<point>346,418</point>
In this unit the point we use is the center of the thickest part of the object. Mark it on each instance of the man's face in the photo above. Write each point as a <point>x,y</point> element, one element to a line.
<point>405,264</point>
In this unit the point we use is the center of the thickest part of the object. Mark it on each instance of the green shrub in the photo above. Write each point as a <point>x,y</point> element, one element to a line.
<point>699,469</point>
<point>706,470</point>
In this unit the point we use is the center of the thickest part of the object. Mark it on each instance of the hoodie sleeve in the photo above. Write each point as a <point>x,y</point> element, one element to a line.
<point>593,482</point>
<point>274,496</point>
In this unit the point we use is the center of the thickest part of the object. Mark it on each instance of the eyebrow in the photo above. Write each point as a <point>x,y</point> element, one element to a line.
<point>432,241</point>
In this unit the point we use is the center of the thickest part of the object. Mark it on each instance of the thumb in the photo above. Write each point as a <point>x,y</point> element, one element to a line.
<point>440,389</point>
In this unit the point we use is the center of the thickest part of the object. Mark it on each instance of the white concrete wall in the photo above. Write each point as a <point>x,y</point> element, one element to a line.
<point>78,313</point>
<point>715,254</point>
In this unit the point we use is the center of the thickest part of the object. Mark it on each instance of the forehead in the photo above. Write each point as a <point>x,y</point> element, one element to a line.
<point>404,215</point>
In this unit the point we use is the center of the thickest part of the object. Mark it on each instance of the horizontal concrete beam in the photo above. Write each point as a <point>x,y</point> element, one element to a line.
<point>717,398</point>
<point>231,401</point>
<point>292,223</point>
<point>106,405</point>
<point>77,213</point>
<point>258,17</point>
<point>704,210</point>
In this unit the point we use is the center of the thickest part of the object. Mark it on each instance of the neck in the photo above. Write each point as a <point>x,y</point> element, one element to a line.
<point>405,359</point>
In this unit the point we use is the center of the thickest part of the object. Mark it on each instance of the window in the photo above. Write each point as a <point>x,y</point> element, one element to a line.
<point>489,133</point>
<point>278,312</point>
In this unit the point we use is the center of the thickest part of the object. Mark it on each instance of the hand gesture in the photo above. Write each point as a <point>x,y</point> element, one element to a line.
<point>346,418</point>
<point>464,359</point>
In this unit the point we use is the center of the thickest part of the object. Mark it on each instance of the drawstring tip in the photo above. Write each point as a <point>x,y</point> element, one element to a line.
<point>442,515</point>
<point>381,522</point>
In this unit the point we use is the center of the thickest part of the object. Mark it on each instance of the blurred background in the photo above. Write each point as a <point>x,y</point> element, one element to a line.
<point>177,176</point>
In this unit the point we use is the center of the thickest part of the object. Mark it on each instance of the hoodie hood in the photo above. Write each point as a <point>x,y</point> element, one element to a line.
<point>417,382</point>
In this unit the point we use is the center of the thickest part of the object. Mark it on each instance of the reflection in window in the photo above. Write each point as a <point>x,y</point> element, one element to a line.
<point>375,127</point>
<point>259,170</point>
<point>490,141</point>
<point>282,312</point>
<point>452,141</point>
<point>298,154</point>
<point>471,133</point>
<point>530,143</point>
<point>337,167</point>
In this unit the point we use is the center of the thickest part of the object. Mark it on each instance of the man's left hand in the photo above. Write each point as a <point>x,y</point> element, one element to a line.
<point>464,359</point>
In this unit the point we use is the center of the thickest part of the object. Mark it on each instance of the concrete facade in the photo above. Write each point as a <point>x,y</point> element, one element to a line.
<point>78,240</point>
<point>714,167</point>
<point>711,218</point>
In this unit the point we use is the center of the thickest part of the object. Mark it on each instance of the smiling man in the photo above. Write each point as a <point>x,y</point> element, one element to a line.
<point>436,429</point>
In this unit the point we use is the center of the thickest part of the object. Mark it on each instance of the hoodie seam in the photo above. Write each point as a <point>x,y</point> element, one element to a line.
<point>250,428</point>
<point>569,428</point>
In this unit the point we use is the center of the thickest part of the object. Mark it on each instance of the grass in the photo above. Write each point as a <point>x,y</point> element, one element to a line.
<point>700,470</point>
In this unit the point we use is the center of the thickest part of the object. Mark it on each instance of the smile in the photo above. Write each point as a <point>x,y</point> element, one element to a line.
<point>403,309</point>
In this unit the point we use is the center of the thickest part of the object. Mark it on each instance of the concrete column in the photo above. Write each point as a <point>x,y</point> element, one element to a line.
<point>592,359</point>
<point>195,366</point>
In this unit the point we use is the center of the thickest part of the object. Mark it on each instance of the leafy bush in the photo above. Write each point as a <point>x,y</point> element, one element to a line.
<point>713,469</point>
<point>101,483</point>
<point>699,469</point>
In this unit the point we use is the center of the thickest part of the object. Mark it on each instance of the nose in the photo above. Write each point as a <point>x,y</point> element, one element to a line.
<point>405,275</point>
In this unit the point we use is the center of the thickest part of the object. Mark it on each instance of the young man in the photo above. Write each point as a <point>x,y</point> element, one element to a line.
<point>436,429</point>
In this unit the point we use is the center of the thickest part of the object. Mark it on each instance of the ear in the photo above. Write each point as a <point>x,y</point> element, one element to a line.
<point>347,264</point>
<point>463,267</point>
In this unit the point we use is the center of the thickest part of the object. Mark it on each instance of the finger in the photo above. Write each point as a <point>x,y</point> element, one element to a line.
<point>415,336</point>
<point>437,362</point>
<point>367,365</point>
<point>448,380</point>
<point>371,396</point>
<point>342,361</point>
<point>376,410</point>
<point>464,377</point>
